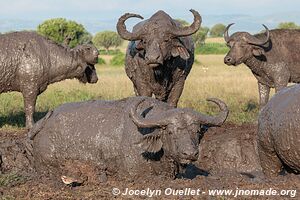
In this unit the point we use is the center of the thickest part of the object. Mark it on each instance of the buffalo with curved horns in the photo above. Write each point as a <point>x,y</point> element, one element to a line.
<point>132,136</point>
<point>273,57</point>
<point>160,55</point>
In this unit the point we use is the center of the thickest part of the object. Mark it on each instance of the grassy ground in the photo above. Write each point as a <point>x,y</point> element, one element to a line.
<point>209,78</point>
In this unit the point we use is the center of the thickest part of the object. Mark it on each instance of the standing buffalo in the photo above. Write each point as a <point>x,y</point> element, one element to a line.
<point>29,63</point>
<point>279,132</point>
<point>273,57</point>
<point>133,136</point>
<point>160,55</point>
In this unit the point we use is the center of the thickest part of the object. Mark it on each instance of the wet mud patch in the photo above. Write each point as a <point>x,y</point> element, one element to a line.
<point>227,160</point>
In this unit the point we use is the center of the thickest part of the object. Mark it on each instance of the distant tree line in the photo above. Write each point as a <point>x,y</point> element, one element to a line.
<point>288,25</point>
<point>71,33</point>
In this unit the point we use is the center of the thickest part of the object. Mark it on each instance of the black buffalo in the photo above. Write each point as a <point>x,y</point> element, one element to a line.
<point>160,55</point>
<point>273,57</point>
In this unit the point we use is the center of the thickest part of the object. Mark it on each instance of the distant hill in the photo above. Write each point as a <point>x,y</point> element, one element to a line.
<point>243,22</point>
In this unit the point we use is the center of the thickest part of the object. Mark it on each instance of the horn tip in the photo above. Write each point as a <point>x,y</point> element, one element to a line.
<point>265,27</point>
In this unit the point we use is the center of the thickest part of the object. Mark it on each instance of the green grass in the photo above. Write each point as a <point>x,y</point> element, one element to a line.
<point>109,52</point>
<point>212,48</point>
<point>101,61</point>
<point>209,77</point>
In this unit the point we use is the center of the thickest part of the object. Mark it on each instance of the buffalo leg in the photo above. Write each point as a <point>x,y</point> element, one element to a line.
<point>269,160</point>
<point>176,92</point>
<point>29,106</point>
<point>142,90</point>
<point>281,79</point>
<point>264,92</point>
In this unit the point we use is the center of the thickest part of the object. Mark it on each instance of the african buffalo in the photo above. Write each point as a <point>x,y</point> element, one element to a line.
<point>273,57</point>
<point>160,55</point>
<point>29,63</point>
<point>133,136</point>
<point>279,132</point>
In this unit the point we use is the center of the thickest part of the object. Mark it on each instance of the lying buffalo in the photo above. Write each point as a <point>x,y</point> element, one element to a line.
<point>279,132</point>
<point>273,57</point>
<point>29,63</point>
<point>134,136</point>
<point>160,55</point>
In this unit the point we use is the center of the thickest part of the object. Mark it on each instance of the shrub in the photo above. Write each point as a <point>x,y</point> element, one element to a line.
<point>200,36</point>
<point>217,30</point>
<point>109,52</point>
<point>118,59</point>
<point>287,25</point>
<point>107,39</point>
<point>101,61</point>
<point>62,31</point>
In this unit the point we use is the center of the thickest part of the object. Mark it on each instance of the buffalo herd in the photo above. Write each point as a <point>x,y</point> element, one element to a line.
<point>144,135</point>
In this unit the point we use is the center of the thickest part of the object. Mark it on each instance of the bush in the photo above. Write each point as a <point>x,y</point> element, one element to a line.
<point>217,30</point>
<point>62,31</point>
<point>107,39</point>
<point>109,52</point>
<point>101,61</point>
<point>288,25</point>
<point>212,48</point>
<point>118,60</point>
<point>200,36</point>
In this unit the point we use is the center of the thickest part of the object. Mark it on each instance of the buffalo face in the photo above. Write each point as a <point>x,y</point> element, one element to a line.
<point>179,131</point>
<point>89,56</point>
<point>243,46</point>
<point>158,38</point>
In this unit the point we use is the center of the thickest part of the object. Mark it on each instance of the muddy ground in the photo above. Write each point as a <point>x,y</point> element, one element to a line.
<point>228,160</point>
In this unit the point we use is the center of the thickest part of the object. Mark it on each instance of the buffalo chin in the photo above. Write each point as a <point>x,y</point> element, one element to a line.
<point>87,76</point>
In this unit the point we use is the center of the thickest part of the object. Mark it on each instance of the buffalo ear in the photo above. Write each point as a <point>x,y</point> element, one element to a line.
<point>151,143</point>
<point>180,51</point>
<point>135,47</point>
<point>257,51</point>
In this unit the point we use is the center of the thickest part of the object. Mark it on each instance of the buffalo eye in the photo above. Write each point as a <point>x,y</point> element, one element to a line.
<point>228,45</point>
<point>140,45</point>
<point>167,40</point>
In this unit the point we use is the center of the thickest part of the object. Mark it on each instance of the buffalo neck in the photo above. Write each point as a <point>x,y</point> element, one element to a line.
<point>255,65</point>
<point>64,63</point>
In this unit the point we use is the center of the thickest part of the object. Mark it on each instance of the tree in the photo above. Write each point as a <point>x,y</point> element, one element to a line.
<point>217,30</point>
<point>61,30</point>
<point>200,36</point>
<point>107,39</point>
<point>287,25</point>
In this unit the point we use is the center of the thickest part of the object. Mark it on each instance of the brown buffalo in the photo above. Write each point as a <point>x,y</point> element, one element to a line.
<point>29,63</point>
<point>279,132</point>
<point>132,136</point>
<point>273,57</point>
<point>160,54</point>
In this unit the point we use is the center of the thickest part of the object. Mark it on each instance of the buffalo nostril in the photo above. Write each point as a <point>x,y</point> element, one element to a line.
<point>191,155</point>
<point>228,59</point>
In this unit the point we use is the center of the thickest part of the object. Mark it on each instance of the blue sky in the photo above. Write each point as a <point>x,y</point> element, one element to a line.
<point>33,9</point>
<point>104,14</point>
